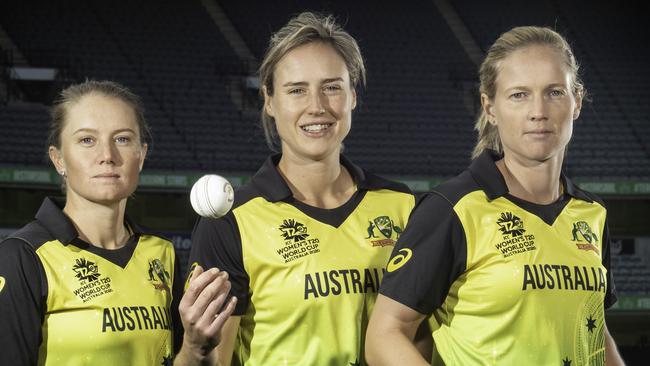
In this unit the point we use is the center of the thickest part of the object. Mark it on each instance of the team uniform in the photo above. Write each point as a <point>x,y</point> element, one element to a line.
<point>506,282</point>
<point>66,302</point>
<point>306,278</point>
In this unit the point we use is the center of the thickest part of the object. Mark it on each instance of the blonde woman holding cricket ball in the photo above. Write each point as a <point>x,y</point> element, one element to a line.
<point>308,237</point>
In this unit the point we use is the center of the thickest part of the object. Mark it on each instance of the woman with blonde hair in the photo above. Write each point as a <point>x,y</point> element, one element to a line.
<point>309,236</point>
<point>83,284</point>
<point>510,258</point>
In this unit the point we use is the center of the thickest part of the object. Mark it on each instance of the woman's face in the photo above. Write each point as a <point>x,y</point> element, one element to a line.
<point>533,107</point>
<point>312,101</point>
<point>100,153</point>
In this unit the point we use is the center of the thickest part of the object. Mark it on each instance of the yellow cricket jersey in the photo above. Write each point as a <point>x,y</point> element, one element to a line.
<point>306,278</point>
<point>66,302</point>
<point>507,282</point>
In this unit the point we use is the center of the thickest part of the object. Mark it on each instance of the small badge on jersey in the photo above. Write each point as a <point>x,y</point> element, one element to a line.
<point>389,232</point>
<point>297,241</point>
<point>91,282</point>
<point>584,237</point>
<point>514,237</point>
<point>158,276</point>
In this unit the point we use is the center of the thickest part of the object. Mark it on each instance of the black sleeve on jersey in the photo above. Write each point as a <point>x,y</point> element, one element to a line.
<point>436,238</point>
<point>217,243</point>
<point>177,293</point>
<point>610,296</point>
<point>23,292</point>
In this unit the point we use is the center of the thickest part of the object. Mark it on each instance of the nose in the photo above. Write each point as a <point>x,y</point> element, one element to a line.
<point>108,153</point>
<point>316,104</point>
<point>538,109</point>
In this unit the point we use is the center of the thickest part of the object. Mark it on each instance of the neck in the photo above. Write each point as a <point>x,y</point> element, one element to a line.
<point>324,183</point>
<point>537,182</point>
<point>101,225</point>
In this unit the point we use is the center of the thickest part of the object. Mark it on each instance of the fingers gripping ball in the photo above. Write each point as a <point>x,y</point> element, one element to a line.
<point>212,196</point>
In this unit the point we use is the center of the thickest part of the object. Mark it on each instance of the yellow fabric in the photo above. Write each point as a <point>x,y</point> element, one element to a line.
<point>312,285</point>
<point>490,316</point>
<point>101,314</point>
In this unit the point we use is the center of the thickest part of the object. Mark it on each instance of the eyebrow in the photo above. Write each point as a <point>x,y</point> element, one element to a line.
<point>95,130</point>
<point>552,85</point>
<point>304,83</point>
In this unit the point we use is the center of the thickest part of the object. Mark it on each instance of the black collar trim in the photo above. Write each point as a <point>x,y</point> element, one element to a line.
<point>273,188</point>
<point>485,172</point>
<point>59,225</point>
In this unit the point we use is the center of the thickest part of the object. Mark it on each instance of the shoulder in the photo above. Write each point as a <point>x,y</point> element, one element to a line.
<point>33,234</point>
<point>244,194</point>
<point>577,192</point>
<point>376,182</point>
<point>456,188</point>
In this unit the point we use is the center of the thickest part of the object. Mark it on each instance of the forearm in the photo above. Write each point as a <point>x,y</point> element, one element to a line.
<point>196,357</point>
<point>612,356</point>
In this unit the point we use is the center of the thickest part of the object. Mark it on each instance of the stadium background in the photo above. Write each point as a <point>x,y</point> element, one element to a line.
<point>193,62</point>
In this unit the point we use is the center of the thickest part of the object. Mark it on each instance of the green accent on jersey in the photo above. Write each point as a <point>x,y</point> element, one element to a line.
<point>313,285</point>
<point>518,266</point>
<point>99,313</point>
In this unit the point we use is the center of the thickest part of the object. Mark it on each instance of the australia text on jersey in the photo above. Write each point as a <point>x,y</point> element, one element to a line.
<point>563,277</point>
<point>342,281</point>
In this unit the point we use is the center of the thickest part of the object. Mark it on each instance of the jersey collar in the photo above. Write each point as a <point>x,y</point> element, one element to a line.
<point>274,189</point>
<point>51,215</point>
<point>487,175</point>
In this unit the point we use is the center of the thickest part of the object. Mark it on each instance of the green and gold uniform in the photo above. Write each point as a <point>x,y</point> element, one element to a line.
<point>507,282</point>
<point>66,302</point>
<point>306,278</point>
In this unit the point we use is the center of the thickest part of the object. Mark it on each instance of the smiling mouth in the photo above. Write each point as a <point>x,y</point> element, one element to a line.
<point>318,127</point>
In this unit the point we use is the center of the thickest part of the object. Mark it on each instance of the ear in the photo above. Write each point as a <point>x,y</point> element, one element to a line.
<point>354,99</point>
<point>57,159</point>
<point>488,108</point>
<point>268,108</point>
<point>578,106</point>
<point>143,154</point>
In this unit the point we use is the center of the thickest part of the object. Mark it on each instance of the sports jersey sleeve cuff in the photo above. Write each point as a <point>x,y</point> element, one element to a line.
<point>424,309</point>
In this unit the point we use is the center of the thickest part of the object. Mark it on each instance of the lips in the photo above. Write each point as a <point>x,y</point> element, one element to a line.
<point>316,127</point>
<point>107,175</point>
<point>539,132</point>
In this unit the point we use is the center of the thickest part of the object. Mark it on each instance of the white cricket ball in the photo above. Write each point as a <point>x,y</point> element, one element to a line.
<point>212,196</point>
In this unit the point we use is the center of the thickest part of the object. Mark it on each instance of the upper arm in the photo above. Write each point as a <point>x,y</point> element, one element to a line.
<point>390,315</point>
<point>610,296</point>
<point>217,243</point>
<point>23,289</point>
<point>177,294</point>
<point>429,256</point>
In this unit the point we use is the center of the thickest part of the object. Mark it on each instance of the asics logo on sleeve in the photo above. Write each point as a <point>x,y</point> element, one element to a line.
<point>399,259</point>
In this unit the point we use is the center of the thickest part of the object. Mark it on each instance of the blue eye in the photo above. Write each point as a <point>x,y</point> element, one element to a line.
<point>557,93</point>
<point>122,139</point>
<point>86,140</point>
<point>518,95</point>
<point>332,87</point>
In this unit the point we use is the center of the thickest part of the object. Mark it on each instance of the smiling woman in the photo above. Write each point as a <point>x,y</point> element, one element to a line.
<point>83,283</point>
<point>302,266</point>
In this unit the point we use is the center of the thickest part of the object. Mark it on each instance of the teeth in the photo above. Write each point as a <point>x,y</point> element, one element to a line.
<point>316,128</point>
